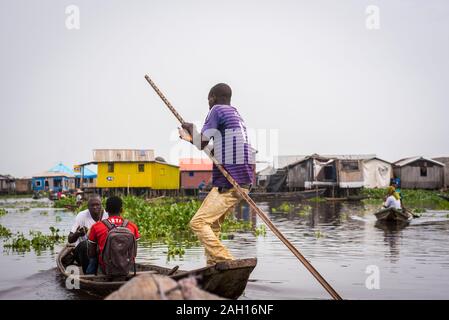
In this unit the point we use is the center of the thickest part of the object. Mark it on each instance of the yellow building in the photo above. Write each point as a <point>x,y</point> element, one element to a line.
<point>124,168</point>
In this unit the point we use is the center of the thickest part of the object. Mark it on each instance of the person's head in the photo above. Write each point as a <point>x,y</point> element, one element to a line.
<point>94,205</point>
<point>114,206</point>
<point>219,94</point>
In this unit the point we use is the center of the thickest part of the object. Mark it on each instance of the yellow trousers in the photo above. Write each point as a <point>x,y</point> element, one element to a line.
<point>206,223</point>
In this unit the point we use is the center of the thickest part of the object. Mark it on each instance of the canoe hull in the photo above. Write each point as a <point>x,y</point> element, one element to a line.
<point>226,279</point>
<point>393,215</point>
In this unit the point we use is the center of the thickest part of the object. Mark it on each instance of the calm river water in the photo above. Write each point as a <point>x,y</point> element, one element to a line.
<point>342,241</point>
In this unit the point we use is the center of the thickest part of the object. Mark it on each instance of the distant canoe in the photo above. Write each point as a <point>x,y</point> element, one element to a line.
<point>393,215</point>
<point>225,279</point>
<point>296,195</point>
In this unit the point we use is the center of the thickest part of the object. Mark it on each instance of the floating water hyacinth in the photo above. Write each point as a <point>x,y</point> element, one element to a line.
<point>4,232</point>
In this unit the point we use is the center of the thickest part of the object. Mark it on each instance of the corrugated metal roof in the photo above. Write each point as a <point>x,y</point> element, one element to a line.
<point>406,161</point>
<point>283,161</point>
<point>348,156</point>
<point>123,155</point>
<point>333,156</point>
<point>267,171</point>
<point>60,167</point>
<point>195,164</point>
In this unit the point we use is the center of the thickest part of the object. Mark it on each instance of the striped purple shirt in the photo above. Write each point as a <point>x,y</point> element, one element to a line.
<point>231,147</point>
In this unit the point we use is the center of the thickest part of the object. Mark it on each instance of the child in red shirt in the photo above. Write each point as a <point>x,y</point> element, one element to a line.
<point>99,232</point>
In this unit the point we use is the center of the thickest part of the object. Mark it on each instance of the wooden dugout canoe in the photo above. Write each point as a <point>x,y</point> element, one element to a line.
<point>393,215</point>
<point>225,279</point>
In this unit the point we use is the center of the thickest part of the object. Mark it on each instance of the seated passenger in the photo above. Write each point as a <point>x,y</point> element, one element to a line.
<point>393,199</point>
<point>83,222</point>
<point>113,242</point>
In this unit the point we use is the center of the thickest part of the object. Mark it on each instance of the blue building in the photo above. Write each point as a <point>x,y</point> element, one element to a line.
<point>88,177</point>
<point>58,178</point>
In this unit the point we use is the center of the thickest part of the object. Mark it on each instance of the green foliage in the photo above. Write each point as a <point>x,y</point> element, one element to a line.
<point>374,193</point>
<point>38,242</point>
<point>58,218</point>
<point>231,224</point>
<point>305,211</point>
<point>19,243</point>
<point>167,220</point>
<point>3,212</point>
<point>44,213</point>
<point>68,201</point>
<point>319,234</point>
<point>4,232</point>
<point>285,207</point>
<point>260,231</point>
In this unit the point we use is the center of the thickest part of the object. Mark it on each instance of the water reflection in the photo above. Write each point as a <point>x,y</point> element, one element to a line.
<point>339,238</point>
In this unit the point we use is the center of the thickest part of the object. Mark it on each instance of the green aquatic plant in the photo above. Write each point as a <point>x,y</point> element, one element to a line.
<point>167,220</point>
<point>319,234</point>
<point>284,207</point>
<point>3,212</point>
<point>4,232</point>
<point>68,201</point>
<point>19,243</point>
<point>58,218</point>
<point>38,242</point>
<point>44,213</point>
<point>260,231</point>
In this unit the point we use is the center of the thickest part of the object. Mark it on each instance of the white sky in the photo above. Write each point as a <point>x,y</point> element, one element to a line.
<point>310,69</point>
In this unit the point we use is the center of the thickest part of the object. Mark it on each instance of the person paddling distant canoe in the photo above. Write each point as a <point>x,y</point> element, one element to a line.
<point>226,127</point>
<point>393,199</point>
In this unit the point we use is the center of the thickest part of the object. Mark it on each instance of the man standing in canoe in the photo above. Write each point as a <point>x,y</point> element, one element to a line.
<point>226,127</point>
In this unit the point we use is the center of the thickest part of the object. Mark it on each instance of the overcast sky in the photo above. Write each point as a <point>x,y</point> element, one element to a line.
<point>311,70</point>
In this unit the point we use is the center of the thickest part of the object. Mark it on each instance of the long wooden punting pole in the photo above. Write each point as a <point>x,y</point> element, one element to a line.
<point>252,204</point>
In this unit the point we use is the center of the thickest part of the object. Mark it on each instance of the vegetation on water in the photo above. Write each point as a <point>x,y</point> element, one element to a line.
<point>260,231</point>
<point>68,201</point>
<point>3,212</point>
<point>15,196</point>
<point>38,242</point>
<point>167,221</point>
<point>284,207</point>
<point>319,234</point>
<point>412,199</point>
<point>305,211</point>
<point>4,232</point>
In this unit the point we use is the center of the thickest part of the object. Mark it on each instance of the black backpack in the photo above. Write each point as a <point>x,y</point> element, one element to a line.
<point>120,250</point>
